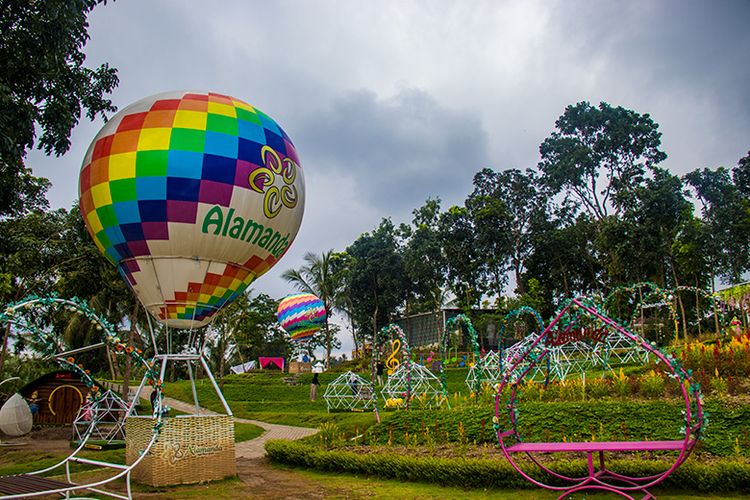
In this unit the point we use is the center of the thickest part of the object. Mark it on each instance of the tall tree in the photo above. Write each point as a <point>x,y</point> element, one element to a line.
<point>598,155</point>
<point>378,282</point>
<point>254,327</point>
<point>424,259</point>
<point>463,258</point>
<point>725,210</point>
<point>30,248</point>
<point>511,199</point>
<point>44,86</point>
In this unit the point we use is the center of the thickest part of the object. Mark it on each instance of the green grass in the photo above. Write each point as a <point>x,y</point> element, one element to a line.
<point>246,432</point>
<point>265,396</point>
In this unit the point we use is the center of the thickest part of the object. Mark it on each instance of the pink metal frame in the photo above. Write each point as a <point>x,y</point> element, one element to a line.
<point>598,476</point>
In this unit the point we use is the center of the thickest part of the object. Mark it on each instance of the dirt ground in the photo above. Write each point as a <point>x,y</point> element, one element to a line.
<point>259,479</point>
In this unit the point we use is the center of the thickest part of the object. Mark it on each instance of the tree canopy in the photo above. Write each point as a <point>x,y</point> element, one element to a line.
<point>44,86</point>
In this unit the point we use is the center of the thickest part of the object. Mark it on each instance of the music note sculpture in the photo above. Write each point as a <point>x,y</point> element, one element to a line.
<point>392,362</point>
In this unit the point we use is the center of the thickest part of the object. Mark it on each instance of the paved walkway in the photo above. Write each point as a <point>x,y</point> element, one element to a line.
<point>253,448</point>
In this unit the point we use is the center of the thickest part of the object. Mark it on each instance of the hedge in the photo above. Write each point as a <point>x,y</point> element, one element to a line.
<point>728,430</point>
<point>724,475</point>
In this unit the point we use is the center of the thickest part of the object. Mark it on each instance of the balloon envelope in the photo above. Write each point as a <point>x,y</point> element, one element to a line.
<point>192,195</point>
<point>301,315</point>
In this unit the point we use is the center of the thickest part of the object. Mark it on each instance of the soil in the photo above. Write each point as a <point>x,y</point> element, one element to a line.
<point>261,480</point>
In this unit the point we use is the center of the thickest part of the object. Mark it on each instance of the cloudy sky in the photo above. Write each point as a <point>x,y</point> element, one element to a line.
<point>390,102</point>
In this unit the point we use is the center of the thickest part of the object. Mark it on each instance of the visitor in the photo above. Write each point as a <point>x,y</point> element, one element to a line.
<point>34,404</point>
<point>314,387</point>
<point>353,383</point>
<point>379,372</point>
<point>87,407</point>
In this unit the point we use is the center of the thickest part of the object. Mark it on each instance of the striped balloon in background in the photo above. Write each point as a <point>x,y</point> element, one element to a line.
<point>192,195</point>
<point>301,315</point>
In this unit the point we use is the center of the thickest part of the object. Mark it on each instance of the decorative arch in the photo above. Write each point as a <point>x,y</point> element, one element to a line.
<point>507,413</point>
<point>459,321</point>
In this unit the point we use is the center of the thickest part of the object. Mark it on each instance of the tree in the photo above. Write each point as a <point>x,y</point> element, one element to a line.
<point>378,282</point>
<point>43,86</point>
<point>637,246</point>
<point>424,260</point>
<point>463,258</point>
<point>725,210</point>
<point>491,221</point>
<point>252,322</point>
<point>563,257</point>
<point>29,250</point>
<point>317,277</point>
<point>514,199</point>
<point>599,155</point>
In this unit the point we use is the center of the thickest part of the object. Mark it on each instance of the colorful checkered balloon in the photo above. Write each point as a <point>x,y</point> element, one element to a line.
<point>301,315</point>
<point>192,196</point>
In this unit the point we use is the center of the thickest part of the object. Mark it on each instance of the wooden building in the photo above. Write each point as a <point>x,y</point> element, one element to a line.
<point>59,395</point>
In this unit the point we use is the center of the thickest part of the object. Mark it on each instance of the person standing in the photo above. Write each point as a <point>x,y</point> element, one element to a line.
<point>314,387</point>
<point>379,372</point>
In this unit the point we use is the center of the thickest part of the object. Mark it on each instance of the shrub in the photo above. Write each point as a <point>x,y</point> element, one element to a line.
<point>651,385</point>
<point>550,421</point>
<point>724,475</point>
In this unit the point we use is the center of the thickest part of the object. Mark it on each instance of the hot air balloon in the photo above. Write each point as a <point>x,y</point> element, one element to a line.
<point>192,195</point>
<point>301,315</point>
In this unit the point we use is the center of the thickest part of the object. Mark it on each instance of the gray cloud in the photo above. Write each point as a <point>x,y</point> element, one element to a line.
<point>399,150</point>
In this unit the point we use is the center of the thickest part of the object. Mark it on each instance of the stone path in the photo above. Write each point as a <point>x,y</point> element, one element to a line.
<point>253,448</point>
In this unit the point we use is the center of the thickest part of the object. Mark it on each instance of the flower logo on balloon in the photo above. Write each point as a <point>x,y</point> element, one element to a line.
<point>263,180</point>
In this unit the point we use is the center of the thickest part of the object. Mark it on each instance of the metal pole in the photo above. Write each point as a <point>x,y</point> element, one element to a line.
<point>216,387</point>
<point>151,332</point>
<point>137,396</point>
<point>81,349</point>
<point>192,386</point>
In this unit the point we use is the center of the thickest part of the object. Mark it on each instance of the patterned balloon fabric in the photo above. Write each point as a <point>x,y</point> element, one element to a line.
<point>192,195</point>
<point>301,315</point>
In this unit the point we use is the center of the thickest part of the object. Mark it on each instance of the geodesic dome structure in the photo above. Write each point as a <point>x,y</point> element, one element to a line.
<point>486,372</point>
<point>105,417</point>
<point>350,392</point>
<point>426,390</point>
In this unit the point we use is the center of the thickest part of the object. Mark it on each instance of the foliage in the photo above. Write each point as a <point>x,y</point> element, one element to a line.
<point>714,476</point>
<point>600,155</point>
<point>464,260</point>
<point>725,208</point>
<point>424,261</point>
<point>724,358</point>
<point>550,420</point>
<point>43,86</point>
<point>377,278</point>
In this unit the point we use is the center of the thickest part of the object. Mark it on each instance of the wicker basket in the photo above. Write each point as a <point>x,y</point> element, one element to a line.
<point>189,449</point>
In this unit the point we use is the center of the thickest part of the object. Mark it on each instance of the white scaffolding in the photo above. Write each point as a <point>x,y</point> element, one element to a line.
<point>426,390</point>
<point>349,392</point>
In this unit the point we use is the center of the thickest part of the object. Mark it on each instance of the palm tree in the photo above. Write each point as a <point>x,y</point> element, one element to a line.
<point>317,277</point>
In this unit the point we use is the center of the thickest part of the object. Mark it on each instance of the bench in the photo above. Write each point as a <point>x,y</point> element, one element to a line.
<point>26,484</point>
<point>596,446</point>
